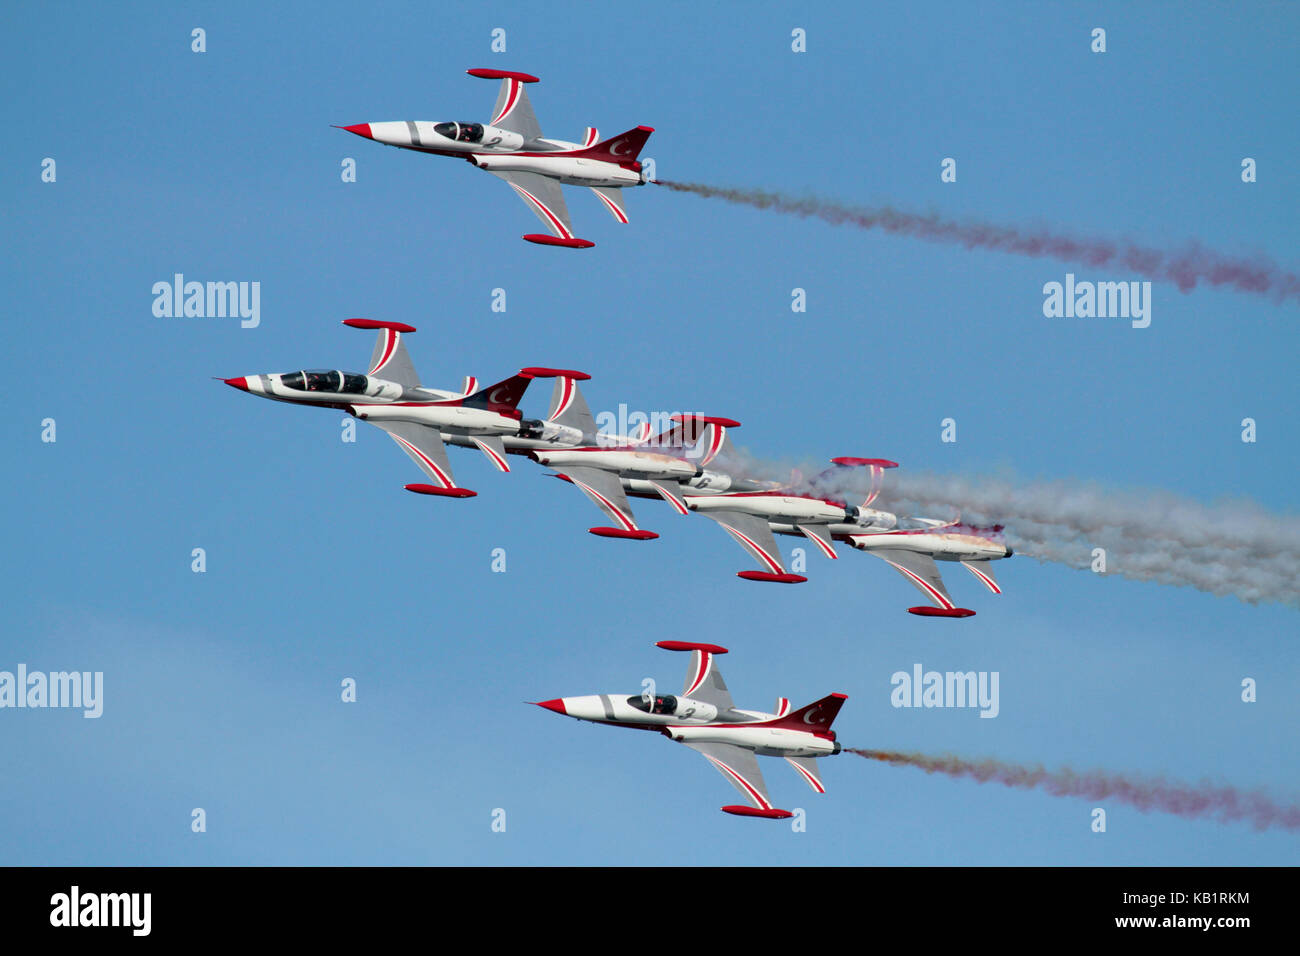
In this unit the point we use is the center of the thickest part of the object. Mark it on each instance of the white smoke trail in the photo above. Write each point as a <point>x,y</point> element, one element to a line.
<point>1228,548</point>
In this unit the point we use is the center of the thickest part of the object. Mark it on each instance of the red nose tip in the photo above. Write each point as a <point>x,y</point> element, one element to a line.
<point>361,129</point>
<point>239,383</point>
<point>556,705</point>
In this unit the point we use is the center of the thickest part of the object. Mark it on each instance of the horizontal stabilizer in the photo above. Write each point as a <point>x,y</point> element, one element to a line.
<point>612,199</point>
<point>494,448</point>
<point>984,571</point>
<point>671,492</point>
<point>807,768</point>
<point>819,536</point>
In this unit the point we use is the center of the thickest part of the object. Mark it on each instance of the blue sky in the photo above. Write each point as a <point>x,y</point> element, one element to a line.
<point>222,688</point>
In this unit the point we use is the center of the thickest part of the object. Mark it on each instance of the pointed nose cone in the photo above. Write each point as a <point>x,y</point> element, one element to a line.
<point>361,129</point>
<point>556,705</point>
<point>239,383</point>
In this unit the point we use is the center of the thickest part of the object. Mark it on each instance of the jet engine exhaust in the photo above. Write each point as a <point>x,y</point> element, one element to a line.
<point>1193,265</point>
<point>1203,801</point>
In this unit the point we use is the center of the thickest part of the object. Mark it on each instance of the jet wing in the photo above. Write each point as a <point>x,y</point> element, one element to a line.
<point>389,360</point>
<point>424,445</point>
<point>544,196</point>
<point>513,112</point>
<point>606,491</point>
<point>921,570</point>
<point>569,408</point>
<point>754,535</point>
<point>704,680</point>
<point>740,767</point>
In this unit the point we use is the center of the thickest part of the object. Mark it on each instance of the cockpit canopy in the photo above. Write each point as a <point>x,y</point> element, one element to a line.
<point>325,380</point>
<point>665,704</point>
<point>461,132</point>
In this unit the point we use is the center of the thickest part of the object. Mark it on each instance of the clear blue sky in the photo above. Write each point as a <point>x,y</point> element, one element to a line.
<point>222,688</point>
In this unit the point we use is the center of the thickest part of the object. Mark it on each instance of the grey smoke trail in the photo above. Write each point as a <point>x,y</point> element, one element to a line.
<point>1203,800</point>
<point>1186,268</point>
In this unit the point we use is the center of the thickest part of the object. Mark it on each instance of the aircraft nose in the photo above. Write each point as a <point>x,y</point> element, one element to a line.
<point>361,129</point>
<point>556,705</point>
<point>240,383</point>
<point>1010,552</point>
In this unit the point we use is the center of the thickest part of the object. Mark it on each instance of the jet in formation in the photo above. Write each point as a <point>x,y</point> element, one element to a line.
<point>818,511</point>
<point>704,718</point>
<point>690,465</point>
<point>423,420</point>
<point>511,147</point>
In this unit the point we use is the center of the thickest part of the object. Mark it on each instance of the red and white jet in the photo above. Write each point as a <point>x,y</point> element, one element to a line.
<point>511,147</point>
<point>421,419</point>
<point>661,466</point>
<point>704,718</point>
<point>909,545</point>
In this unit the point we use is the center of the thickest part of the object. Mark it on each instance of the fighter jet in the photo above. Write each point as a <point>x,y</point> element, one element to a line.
<point>660,466</point>
<point>511,147</point>
<point>915,544</point>
<point>749,517</point>
<point>421,419</point>
<point>704,718</point>
<point>815,510</point>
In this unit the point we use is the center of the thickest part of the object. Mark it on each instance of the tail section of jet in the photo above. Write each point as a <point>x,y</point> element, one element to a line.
<point>622,149</point>
<point>817,717</point>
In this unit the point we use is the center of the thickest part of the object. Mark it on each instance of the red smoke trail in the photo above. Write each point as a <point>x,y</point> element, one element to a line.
<point>1185,269</point>
<point>1198,801</point>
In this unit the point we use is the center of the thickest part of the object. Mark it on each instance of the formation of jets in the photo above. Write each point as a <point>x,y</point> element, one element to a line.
<point>704,718</point>
<point>511,147</point>
<point>689,465</point>
<point>685,466</point>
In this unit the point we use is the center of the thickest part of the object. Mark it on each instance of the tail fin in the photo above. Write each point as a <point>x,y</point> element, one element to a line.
<point>699,436</point>
<point>623,148</point>
<point>819,715</point>
<point>505,394</point>
<point>875,468</point>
